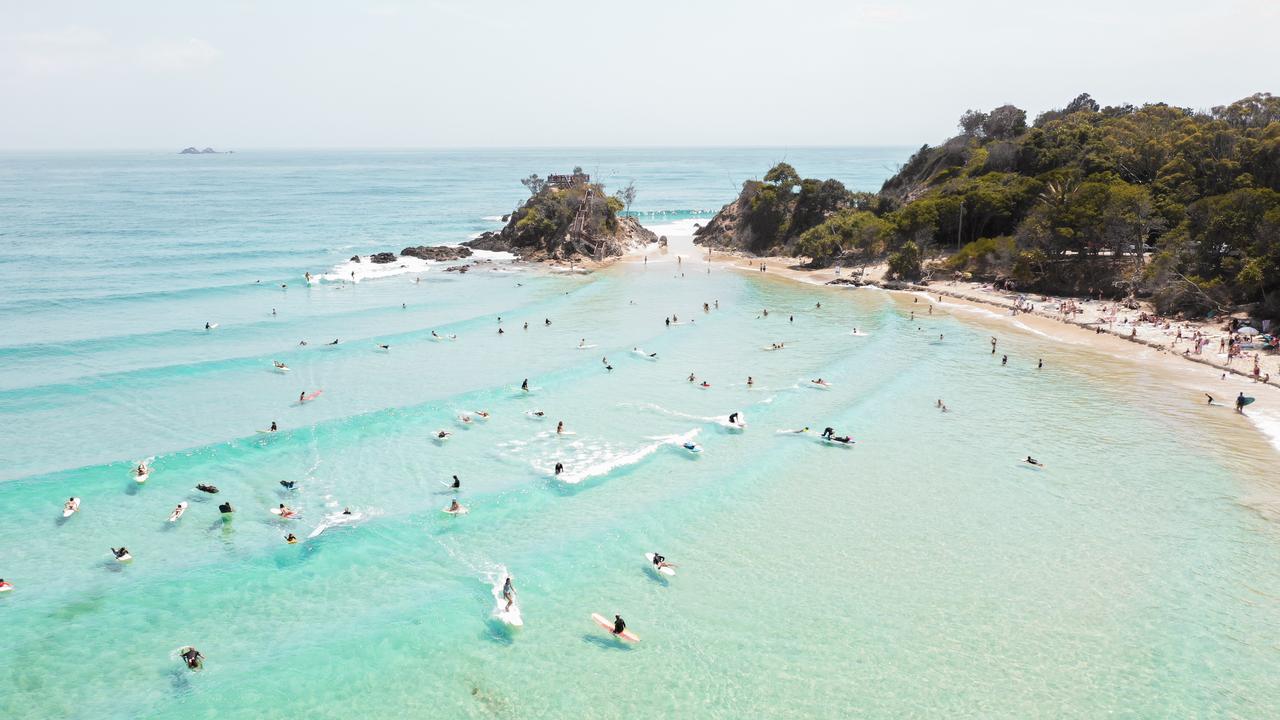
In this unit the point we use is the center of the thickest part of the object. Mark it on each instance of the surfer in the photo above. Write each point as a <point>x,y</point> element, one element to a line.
<point>750,381</point>
<point>288,484</point>
<point>546,322</point>
<point>692,378</point>
<point>1240,403</point>
<point>284,511</point>
<point>207,326</point>
<point>659,561</point>
<point>346,511</point>
<point>705,384</point>
<point>192,658</point>
<point>526,324</point>
<point>335,342</point>
<point>828,433</point>
<point>619,626</point>
<point>1004,360</point>
<point>279,365</point>
<point>274,427</point>
<point>501,331</point>
<point>457,484</point>
<point>302,397</point>
<point>121,553</point>
<point>442,434</point>
<point>71,505</point>
<point>559,468</point>
<point>559,427</point>
<point>384,347</point>
<point>525,385</point>
<point>142,469</point>
<point>226,509</point>
<point>733,418</point>
<point>454,506</point>
<point>1032,461</point>
<point>668,321</point>
<point>538,413</point>
<point>291,539</point>
<point>508,592</point>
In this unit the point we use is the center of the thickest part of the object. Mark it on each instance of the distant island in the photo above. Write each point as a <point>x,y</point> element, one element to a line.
<point>568,217</point>
<point>1173,204</point>
<point>206,151</point>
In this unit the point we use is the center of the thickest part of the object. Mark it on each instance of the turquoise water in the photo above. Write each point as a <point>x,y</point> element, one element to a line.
<point>921,572</point>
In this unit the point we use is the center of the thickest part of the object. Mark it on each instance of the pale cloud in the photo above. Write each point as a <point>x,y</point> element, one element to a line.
<point>79,50</point>
<point>69,50</point>
<point>180,56</point>
<point>884,14</point>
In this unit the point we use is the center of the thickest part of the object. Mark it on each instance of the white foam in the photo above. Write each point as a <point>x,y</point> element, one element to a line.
<point>597,460</point>
<point>354,272</point>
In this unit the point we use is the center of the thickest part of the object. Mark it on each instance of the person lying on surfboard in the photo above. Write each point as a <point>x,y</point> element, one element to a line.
<point>193,658</point>
<point>1032,461</point>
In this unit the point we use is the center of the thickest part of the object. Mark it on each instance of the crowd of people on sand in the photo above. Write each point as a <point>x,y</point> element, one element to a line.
<point>1230,344</point>
<point>1226,343</point>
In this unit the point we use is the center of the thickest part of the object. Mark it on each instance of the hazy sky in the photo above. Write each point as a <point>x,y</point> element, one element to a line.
<point>165,74</point>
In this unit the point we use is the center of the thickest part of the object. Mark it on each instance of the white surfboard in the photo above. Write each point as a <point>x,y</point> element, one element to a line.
<point>71,507</point>
<point>177,512</point>
<point>510,616</point>
<point>668,571</point>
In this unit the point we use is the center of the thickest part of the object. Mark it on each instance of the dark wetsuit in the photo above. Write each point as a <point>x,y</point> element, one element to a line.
<point>618,625</point>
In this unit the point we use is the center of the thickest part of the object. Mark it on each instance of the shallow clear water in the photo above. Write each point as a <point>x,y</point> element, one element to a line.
<point>923,571</point>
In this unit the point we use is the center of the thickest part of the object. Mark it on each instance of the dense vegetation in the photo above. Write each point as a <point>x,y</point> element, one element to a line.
<point>1180,205</point>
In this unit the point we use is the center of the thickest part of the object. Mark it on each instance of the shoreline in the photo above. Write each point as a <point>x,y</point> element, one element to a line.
<point>1145,349</point>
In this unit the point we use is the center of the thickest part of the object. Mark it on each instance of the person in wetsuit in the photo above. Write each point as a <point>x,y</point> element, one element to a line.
<point>559,468</point>
<point>457,484</point>
<point>828,432</point>
<point>525,385</point>
<point>619,626</point>
<point>193,658</point>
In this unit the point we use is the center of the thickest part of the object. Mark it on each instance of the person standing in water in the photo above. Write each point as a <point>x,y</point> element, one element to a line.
<point>525,385</point>
<point>559,468</point>
<point>1240,403</point>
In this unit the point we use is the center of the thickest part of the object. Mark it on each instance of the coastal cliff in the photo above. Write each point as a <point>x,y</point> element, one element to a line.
<point>567,218</point>
<point>1175,204</point>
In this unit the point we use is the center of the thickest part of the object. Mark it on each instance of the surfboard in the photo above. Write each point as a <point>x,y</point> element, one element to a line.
<point>284,514</point>
<point>69,511</point>
<point>123,558</point>
<point>462,510</point>
<point>310,397</point>
<point>608,625</point>
<point>177,512</point>
<point>5,587</point>
<point>668,571</point>
<point>1247,400</point>
<point>692,447</point>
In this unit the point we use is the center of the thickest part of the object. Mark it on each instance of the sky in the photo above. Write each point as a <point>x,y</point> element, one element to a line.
<point>441,73</point>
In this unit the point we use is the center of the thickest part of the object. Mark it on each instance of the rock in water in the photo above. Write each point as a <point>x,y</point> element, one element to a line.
<point>382,258</point>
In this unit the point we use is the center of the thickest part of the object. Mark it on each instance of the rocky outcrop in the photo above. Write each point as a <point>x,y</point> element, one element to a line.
<point>437,253</point>
<point>572,220</point>
<point>382,258</point>
<point>193,151</point>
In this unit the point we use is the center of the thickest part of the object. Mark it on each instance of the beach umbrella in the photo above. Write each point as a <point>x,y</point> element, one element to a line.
<point>1246,330</point>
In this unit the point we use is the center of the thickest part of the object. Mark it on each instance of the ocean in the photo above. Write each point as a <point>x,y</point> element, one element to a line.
<point>923,570</point>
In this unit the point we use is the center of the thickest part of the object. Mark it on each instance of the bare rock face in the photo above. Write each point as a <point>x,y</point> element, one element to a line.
<point>438,253</point>
<point>382,258</point>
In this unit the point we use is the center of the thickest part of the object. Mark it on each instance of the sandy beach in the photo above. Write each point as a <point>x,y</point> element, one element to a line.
<point>1101,326</point>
